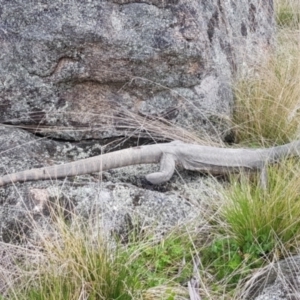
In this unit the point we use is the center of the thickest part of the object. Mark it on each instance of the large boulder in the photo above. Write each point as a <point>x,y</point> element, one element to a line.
<point>96,69</point>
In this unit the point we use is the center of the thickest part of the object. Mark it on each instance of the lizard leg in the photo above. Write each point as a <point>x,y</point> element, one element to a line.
<point>167,167</point>
<point>263,178</point>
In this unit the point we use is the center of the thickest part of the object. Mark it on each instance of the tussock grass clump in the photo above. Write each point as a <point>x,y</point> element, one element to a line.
<point>78,264</point>
<point>268,105</point>
<point>264,218</point>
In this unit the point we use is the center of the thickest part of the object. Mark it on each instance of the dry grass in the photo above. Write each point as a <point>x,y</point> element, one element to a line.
<point>77,263</point>
<point>133,126</point>
<point>268,104</point>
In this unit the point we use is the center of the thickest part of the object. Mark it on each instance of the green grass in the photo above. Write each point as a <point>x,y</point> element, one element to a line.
<point>266,216</point>
<point>159,261</point>
<point>254,227</point>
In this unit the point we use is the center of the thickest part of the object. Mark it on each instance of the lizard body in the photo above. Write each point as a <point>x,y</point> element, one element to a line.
<point>206,159</point>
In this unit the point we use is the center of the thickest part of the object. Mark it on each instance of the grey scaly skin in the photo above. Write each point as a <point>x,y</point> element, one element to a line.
<point>205,159</point>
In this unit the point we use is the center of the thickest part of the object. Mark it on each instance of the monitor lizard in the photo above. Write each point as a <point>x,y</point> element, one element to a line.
<point>207,159</point>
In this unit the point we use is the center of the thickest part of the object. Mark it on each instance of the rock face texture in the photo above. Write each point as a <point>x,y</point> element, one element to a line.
<point>83,69</point>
